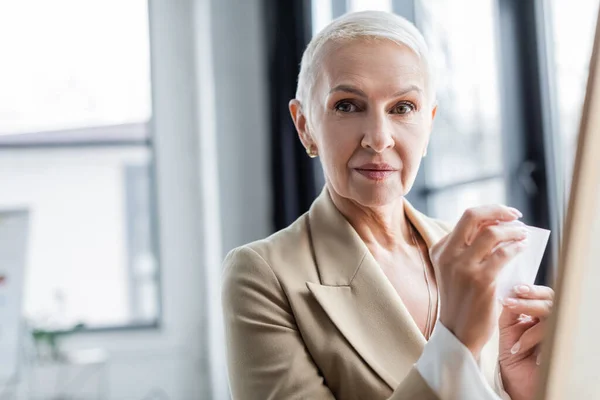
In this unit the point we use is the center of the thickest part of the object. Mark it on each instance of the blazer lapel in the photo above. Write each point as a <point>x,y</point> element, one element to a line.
<point>357,296</point>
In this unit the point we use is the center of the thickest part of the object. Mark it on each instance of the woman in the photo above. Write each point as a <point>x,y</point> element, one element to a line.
<point>363,297</point>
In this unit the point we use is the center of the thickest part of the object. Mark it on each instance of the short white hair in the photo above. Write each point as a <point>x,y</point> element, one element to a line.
<point>358,25</point>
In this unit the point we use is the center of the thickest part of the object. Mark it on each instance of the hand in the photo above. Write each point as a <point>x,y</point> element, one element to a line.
<point>522,328</point>
<point>467,262</point>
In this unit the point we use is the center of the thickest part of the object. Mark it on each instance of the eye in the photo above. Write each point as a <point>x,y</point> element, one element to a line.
<point>403,108</point>
<point>345,107</point>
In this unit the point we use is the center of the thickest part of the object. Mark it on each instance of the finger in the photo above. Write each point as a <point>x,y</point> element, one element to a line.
<point>533,307</point>
<point>534,292</point>
<point>529,339</point>
<point>492,237</point>
<point>501,256</point>
<point>474,217</point>
<point>510,319</point>
<point>515,223</point>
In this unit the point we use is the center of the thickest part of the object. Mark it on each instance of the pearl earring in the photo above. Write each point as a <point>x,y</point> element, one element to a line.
<point>311,153</point>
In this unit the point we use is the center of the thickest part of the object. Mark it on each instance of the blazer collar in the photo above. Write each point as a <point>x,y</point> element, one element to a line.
<point>357,296</point>
<point>339,251</point>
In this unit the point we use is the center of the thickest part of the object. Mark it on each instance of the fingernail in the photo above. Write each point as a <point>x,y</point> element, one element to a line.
<point>515,349</point>
<point>509,302</point>
<point>525,318</point>
<point>522,289</point>
<point>516,212</point>
<point>538,359</point>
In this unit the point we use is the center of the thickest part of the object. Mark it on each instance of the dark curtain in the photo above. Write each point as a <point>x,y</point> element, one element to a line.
<point>287,32</point>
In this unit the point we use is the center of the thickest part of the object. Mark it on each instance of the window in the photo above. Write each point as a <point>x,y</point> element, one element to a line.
<point>465,161</point>
<point>362,5</point>
<point>464,165</point>
<point>572,26</point>
<point>76,151</point>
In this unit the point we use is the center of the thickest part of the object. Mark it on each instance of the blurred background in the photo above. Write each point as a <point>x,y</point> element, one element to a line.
<point>140,141</point>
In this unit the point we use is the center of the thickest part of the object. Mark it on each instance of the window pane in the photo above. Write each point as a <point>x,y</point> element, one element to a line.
<point>573,25</point>
<point>466,141</point>
<point>91,258</point>
<point>363,5</point>
<point>322,14</point>
<point>73,63</point>
<point>76,74</point>
<point>450,204</point>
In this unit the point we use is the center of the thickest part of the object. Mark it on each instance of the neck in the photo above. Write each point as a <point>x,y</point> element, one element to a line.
<point>384,226</point>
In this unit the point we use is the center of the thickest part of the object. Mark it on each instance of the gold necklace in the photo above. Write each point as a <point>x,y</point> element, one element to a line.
<point>428,324</point>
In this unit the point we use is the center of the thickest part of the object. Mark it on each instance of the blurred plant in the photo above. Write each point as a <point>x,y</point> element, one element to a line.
<point>46,342</point>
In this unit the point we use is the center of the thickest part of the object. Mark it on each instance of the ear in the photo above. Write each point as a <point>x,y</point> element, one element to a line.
<point>301,123</point>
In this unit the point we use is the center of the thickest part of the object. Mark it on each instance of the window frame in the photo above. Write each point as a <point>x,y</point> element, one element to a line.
<point>124,136</point>
<point>131,134</point>
<point>136,134</point>
<point>531,143</point>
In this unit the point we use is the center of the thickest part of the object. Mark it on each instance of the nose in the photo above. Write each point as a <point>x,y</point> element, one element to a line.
<point>377,134</point>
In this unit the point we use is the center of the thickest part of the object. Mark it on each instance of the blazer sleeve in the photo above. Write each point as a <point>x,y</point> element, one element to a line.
<point>266,356</point>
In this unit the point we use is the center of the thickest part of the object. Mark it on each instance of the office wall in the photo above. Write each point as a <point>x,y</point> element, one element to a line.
<point>242,115</point>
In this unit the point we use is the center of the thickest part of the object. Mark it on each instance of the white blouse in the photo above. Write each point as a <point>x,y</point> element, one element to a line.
<point>450,369</point>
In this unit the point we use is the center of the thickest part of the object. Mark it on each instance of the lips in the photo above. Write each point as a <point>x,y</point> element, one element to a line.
<point>376,172</point>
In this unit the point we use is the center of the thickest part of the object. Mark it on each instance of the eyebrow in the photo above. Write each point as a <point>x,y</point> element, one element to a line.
<point>358,92</point>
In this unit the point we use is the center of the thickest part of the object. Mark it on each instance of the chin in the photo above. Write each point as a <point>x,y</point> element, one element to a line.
<point>377,195</point>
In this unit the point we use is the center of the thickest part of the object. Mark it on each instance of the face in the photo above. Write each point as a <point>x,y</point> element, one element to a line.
<point>369,120</point>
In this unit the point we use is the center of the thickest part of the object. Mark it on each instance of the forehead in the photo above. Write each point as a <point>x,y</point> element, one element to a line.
<point>373,65</point>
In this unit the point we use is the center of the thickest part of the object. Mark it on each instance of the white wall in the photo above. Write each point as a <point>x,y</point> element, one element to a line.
<point>207,60</point>
<point>242,115</point>
<point>241,132</point>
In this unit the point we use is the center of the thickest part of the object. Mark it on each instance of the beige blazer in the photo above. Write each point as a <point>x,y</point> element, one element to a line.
<point>309,314</point>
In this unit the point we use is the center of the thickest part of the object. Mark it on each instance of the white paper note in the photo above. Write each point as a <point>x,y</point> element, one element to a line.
<point>524,267</point>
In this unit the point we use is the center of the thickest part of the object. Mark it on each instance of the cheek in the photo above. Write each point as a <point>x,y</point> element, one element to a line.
<point>411,141</point>
<point>410,145</point>
<point>337,143</point>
